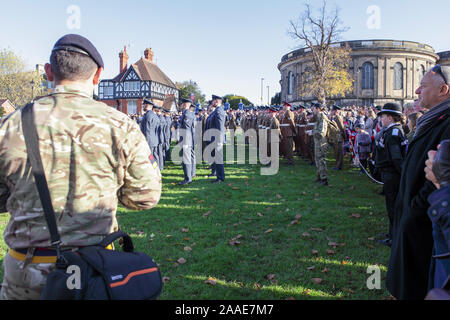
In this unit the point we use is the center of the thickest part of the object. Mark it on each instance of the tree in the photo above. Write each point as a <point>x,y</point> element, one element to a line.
<point>328,76</point>
<point>16,83</point>
<point>234,100</point>
<point>188,87</point>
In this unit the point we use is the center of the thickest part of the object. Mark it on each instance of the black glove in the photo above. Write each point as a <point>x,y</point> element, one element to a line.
<point>441,164</point>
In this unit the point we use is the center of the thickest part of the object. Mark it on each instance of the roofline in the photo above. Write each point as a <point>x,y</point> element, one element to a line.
<point>422,47</point>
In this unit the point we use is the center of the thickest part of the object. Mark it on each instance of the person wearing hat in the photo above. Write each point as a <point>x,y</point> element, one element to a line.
<point>217,123</point>
<point>187,123</point>
<point>412,245</point>
<point>389,156</point>
<point>150,127</point>
<point>320,143</point>
<point>337,136</point>
<point>160,134</point>
<point>93,157</point>
<point>288,131</point>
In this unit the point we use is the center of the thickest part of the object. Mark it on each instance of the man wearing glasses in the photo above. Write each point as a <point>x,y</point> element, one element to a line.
<point>411,252</point>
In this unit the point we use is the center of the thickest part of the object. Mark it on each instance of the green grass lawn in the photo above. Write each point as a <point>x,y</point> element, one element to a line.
<point>263,237</point>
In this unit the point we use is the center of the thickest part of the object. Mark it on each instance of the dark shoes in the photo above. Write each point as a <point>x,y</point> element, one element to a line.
<point>336,168</point>
<point>211,175</point>
<point>182,183</point>
<point>323,182</point>
<point>386,242</point>
<point>217,181</point>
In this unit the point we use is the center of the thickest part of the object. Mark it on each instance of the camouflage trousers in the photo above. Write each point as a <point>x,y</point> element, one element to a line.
<point>320,153</point>
<point>22,281</point>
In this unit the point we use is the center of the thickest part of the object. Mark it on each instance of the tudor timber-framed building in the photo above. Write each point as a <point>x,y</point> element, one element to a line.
<point>143,79</point>
<point>383,71</point>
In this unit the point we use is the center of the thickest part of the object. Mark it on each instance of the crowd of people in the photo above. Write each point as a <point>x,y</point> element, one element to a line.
<point>95,156</point>
<point>376,140</point>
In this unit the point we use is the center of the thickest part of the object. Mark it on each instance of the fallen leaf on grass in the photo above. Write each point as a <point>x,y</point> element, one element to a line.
<point>181,261</point>
<point>187,248</point>
<point>290,298</point>
<point>298,216</point>
<point>316,229</point>
<point>259,214</point>
<point>349,290</point>
<point>317,280</point>
<point>325,270</point>
<point>315,252</point>
<point>235,188</point>
<point>206,213</point>
<point>356,215</point>
<point>211,281</point>
<point>184,230</point>
<point>165,279</point>
<point>311,268</point>
<point>257,286</point>
<point>278,196</point>
<point>330,252</point>
<point>371,238</point>
<point>268,231</point>
<point>271,276</point>
<point>333,244</point>
<point>306,234</point>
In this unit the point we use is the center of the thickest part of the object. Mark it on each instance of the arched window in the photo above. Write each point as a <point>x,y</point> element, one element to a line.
<point>367,76</point>
<point>420,72</point>
<point>290,82</point>
<point>398,76</point>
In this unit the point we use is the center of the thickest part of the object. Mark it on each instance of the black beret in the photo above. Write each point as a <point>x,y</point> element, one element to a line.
<point>146,101</point>
<point>184,100</point>
<point>77,43</point>
<point>336,107</point>
<point>214,97</point>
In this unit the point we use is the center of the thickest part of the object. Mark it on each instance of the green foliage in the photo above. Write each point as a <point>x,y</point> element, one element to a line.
<point>276,99</point>
<point>16,83</point>
<point>188,87</point>
<point>234,101</point>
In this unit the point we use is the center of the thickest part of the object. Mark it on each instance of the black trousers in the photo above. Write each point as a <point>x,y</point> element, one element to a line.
<point>391,180</point>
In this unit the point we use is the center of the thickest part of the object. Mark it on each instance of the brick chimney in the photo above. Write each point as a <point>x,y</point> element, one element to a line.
<point>123,59</point>
<point>148,53</point>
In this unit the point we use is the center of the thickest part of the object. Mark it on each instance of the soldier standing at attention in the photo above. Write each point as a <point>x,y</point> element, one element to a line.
<point>149,127</point>
<point>391,149</point>
<point>288,130</point>
<point>93,157</point>
<point>187,121</point>
<point>339,137</point>
<point>320,144</point>
<point>217,122</point>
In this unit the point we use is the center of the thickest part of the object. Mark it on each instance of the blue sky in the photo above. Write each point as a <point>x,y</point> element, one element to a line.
<point>225,46</point>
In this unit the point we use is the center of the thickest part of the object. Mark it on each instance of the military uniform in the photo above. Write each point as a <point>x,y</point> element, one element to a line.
<point>338,140</point>
<point>93,157</point>
<point>187,123</point>
<point>320,147</point>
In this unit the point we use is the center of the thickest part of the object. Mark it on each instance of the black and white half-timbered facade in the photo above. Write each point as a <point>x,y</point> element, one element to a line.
<point>144,79</point>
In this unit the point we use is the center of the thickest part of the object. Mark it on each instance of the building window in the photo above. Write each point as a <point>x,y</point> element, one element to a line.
<point>131,85</point>
<point>420,73</point>
<point>132,107</point>
<point>367,76</point>
<point>398,76</point>
<point>291,82</point>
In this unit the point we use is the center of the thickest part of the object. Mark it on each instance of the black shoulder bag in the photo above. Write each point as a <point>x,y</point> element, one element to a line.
<point>91,272</point>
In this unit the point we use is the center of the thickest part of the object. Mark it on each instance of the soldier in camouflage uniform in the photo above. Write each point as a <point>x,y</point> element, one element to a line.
<point>93,157</point>
<point>320,144</point>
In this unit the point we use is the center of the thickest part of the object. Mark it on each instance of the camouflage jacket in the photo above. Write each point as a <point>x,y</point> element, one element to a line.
<point>93,157</point>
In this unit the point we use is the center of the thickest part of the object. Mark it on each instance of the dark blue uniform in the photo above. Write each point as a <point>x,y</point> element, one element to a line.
<point>187,122</point>
<point>217,121</point>
<point>149,127</point>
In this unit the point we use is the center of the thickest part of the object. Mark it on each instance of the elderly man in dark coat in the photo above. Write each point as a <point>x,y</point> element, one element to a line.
<point>412,245</point>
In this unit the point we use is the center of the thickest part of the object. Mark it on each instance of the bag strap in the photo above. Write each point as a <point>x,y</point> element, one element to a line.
<point>127,244</point>
<point>32,145</point>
